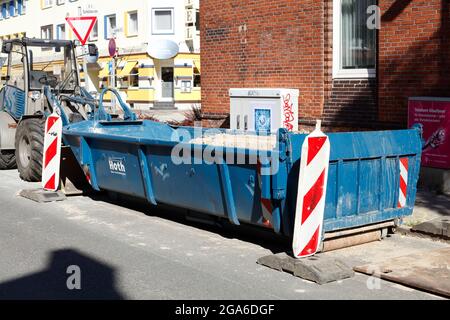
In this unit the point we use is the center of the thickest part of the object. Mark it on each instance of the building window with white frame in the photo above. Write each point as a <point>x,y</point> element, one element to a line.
<point>5,11</point>
<point>133,23</point>
<point>186,86</point>
<point>354,43</point>
<point>162,21</point>
<point>94,32</point>
<point>21,6</point>
<point>110,26</point>
<point>61,32</point>
<point>47,4</point>
<point>47,32</point>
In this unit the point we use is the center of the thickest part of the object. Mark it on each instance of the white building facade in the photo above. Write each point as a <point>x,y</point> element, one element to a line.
<point>137,26</point>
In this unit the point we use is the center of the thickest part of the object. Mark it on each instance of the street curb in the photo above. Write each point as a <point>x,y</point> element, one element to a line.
<point>407,231</point>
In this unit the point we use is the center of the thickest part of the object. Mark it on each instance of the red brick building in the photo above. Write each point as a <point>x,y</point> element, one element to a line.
<point>348,75</point>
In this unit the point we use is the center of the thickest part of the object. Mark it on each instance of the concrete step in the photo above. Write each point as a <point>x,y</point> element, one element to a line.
<point>164,106</point>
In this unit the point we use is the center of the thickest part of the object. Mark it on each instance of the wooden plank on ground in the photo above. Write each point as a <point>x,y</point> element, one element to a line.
<point>428,271</point>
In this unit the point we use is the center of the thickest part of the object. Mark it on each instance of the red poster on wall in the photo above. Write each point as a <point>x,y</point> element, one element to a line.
<point>433,114</point>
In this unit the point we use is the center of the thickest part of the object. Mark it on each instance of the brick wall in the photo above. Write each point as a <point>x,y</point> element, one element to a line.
<point>414,54</point>
<point>266,43</point>
<point>289,44</point>
<point>352,102</point>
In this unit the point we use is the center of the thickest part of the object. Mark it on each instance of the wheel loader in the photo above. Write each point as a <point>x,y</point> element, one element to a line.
<point>32,65</point>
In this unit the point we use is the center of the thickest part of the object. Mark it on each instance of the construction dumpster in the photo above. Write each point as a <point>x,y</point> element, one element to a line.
<point>248,178</point>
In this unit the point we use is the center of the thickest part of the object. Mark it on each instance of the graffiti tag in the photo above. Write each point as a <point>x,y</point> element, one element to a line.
<point>288,109</point>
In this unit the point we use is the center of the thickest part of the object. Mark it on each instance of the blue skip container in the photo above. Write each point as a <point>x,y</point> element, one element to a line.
<point>144,159</point>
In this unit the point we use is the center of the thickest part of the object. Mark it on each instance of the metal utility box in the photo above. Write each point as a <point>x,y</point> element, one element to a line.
<point>264,110</point>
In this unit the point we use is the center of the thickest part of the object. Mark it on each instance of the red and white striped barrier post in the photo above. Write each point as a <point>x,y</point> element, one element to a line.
<point>403,193</point>
<point>312,187</point>
<point>52,152</point>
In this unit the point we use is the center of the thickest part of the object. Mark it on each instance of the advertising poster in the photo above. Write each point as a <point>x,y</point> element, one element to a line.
<point>433,115</point>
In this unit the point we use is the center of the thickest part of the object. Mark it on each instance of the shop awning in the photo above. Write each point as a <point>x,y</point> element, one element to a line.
<point>197,65</point>
<point>126,71</point>
<point>105,72</point>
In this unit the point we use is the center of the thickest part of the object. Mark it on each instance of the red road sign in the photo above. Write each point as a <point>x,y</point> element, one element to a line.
<point>112,47</point>
<point>82,27</point>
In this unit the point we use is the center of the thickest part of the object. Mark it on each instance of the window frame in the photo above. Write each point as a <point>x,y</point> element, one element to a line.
<point>49,27</point>
<point>47,5</point>
<point>106,18</point>
<point>338,71</point>
<point>157,31</point>
<point>58,31</point>
<point>93,38</point>
<point>129,33</point>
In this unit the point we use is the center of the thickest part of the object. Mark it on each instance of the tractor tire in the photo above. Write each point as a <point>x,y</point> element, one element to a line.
<point>7,160</point>
<point>29,149</point>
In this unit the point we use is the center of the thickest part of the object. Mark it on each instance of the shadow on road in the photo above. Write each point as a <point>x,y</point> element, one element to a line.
<point>97,280</point>
<point>439,204</point>
<point>248,233</point>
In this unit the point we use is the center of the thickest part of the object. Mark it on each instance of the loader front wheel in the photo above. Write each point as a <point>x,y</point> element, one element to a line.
<point>7,160</point>
<point>29,149</point>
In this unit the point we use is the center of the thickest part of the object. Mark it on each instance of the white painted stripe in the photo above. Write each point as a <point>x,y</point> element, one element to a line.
<point>402,199</point>
<point>403,172</point>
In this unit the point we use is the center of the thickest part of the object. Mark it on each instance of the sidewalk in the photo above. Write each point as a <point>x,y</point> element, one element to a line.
<point>431,216</point>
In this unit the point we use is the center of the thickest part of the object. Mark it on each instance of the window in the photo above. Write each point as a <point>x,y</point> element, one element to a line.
<point>163,21</point>
<point>5,11</point>
<point>354,42</point>
<point>197,78</point>
<point>133,25</point>
<point>197,20</point>
<point>12,8</point>
<point>47,32</point>
<point>134,78</point>
<point>186,86</point>
<point>16,68</point>
<point>94,32</point>
<point>20,7</point>
<point>47,4</point>
<point>110,26</point>
<point>61,32</point>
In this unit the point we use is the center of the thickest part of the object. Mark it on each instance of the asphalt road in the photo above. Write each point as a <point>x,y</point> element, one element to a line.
<point>124,253</point>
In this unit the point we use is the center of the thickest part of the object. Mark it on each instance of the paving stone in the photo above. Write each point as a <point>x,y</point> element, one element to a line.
<point>319,268</point>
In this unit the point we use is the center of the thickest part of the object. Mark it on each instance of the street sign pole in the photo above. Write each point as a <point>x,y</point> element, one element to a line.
<point>112,47</point>
<point>85,69</point>
<point>113,84</point>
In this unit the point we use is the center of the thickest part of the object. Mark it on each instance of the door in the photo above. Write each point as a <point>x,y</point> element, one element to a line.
<point>13,94</point>
<point>167,82</point>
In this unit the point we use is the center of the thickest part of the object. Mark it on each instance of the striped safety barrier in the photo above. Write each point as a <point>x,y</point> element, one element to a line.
<point>52,153</point>
<point>311,194</point>
<point>403,193</point>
